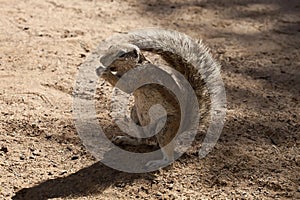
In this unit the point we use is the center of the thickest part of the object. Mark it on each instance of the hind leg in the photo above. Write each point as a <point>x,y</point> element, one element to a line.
<point>166,143</point>
<point>128,140</point>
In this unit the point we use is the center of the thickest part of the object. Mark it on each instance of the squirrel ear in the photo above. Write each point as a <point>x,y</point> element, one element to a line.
<point>142,58</point>
<point>136,54</point>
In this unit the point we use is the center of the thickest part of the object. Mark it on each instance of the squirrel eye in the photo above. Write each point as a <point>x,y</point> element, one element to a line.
<point>122,55</point>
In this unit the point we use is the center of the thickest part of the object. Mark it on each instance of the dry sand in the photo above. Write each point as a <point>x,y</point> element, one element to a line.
<point>42,44</point>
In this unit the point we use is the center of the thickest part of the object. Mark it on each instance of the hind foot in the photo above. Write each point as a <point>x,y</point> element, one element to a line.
<point>125,140</point>
<point>157,164</point>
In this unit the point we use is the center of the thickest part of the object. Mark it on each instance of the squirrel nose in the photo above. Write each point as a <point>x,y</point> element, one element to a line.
<point>100,70</point>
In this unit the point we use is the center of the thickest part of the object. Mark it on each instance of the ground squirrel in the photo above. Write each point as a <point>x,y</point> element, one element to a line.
<point>189,57</point>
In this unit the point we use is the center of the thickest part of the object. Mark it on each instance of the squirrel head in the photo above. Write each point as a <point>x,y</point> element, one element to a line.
<point>121,58</point>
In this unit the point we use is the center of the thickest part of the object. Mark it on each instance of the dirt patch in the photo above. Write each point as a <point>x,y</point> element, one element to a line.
<point>44,42</point>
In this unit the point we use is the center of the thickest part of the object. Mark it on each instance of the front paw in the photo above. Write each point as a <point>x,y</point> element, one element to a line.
<point>119,140</point>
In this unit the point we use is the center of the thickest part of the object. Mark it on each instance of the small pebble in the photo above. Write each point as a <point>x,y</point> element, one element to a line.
<point>4,149</point>
<point>63,172</point>
<point>74,157</point>
<point>36,153</point>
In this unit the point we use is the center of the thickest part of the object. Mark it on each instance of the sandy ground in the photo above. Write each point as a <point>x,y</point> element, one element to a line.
<point>42,44</point>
